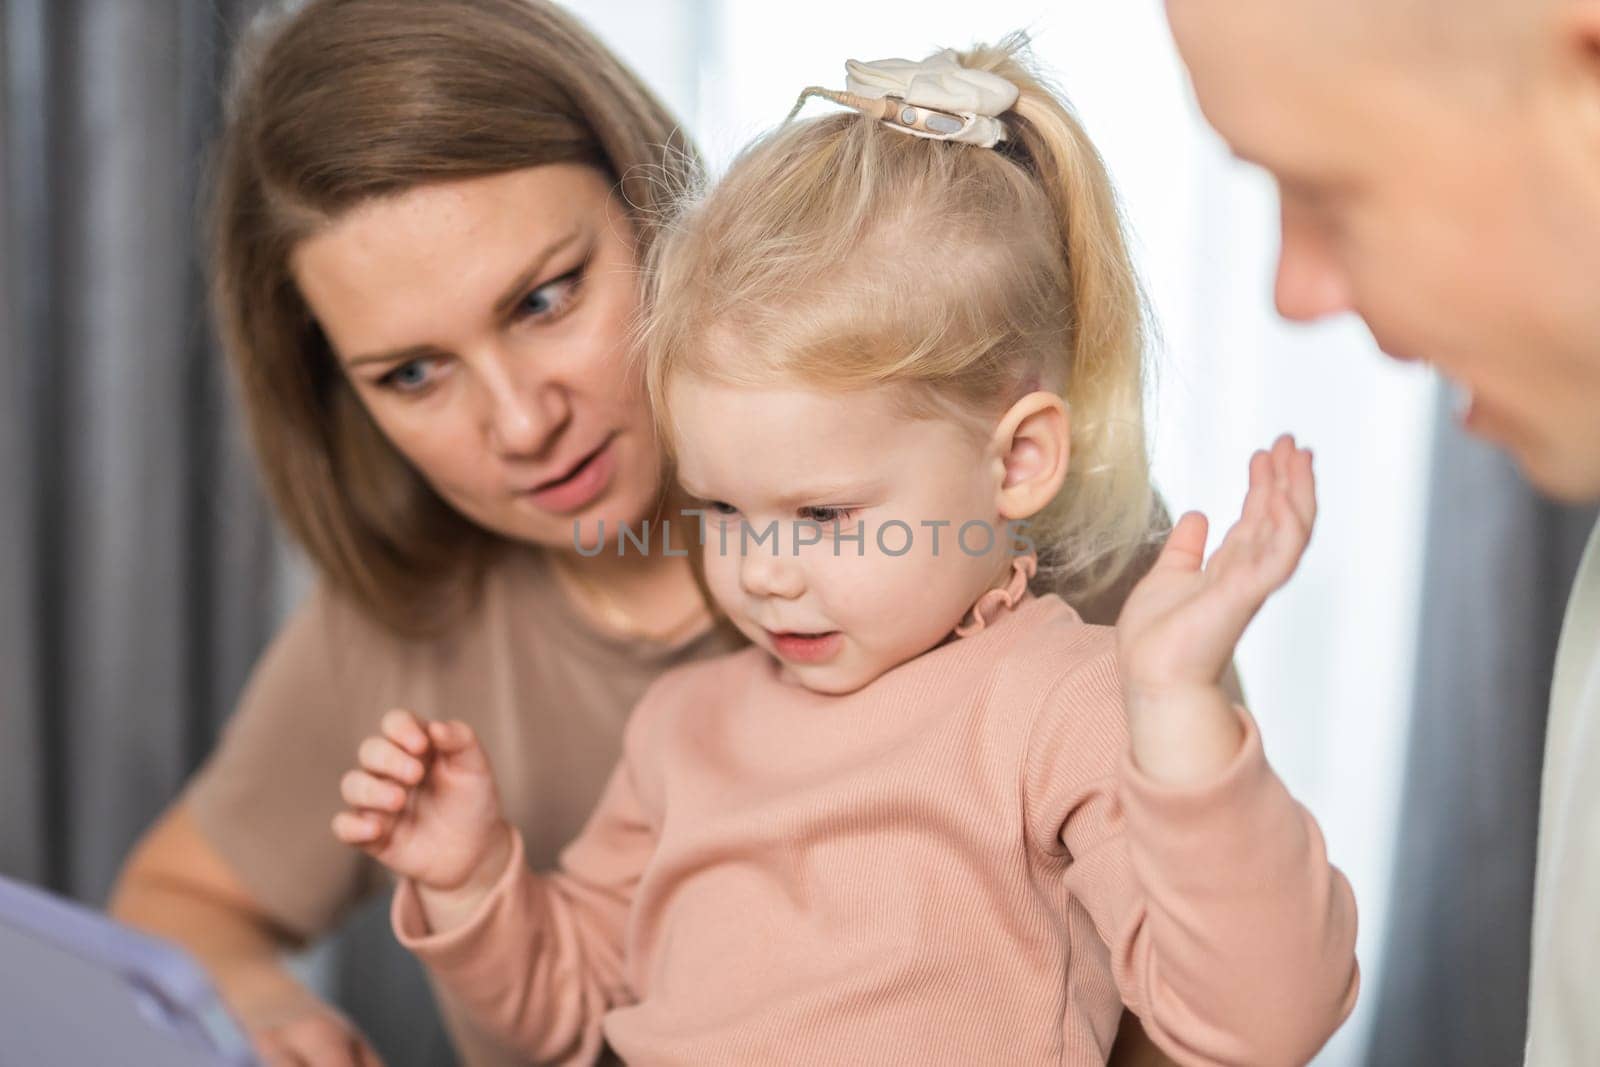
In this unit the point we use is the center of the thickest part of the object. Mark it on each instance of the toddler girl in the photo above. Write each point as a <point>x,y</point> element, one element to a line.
<point>930,816</point>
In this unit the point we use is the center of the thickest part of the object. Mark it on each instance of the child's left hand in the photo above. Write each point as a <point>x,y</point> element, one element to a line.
<point>1180,625</point>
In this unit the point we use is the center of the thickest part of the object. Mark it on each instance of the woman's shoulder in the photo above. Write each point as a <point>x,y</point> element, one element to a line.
<point>331,640</point>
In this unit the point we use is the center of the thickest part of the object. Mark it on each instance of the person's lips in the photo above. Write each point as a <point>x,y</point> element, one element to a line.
<point>580,484</point>
<point>805,647</point>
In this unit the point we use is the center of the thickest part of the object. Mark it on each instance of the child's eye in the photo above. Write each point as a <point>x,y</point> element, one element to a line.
<point>412,377</point>
<point>827,515</point>
<point>552,298</point>
<point>715,513</point>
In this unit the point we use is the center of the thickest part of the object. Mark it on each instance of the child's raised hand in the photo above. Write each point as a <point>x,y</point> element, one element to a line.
<point>1180,625</point>
<point>422,801</point>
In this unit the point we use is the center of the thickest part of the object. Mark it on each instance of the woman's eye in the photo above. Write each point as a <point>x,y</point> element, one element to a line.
<point>551,298</point>
<point>720,508</point>
<point>412,377</point>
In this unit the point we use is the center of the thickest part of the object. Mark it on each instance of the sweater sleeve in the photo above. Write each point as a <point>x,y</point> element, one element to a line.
<point>1230,934</point>
<point>542,959</point>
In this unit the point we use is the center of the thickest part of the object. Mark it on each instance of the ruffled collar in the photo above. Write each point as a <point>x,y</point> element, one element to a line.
<point>993,602</point>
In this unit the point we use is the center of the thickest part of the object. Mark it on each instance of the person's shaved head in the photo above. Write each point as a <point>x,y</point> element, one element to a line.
<point>1483,26</point>
<point>1439,165</point>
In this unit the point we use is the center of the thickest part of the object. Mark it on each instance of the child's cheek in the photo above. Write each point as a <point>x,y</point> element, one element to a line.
<point>722,576</point>
<point>857,591</point>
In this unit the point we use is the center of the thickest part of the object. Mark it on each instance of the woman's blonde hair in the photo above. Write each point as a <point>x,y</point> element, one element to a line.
<point>841,254</point>
<point>334,103</point>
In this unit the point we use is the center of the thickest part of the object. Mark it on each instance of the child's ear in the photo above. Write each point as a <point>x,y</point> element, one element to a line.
<point>1033,442</point>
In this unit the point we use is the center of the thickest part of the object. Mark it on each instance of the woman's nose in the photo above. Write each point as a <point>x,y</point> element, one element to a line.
<point>523,412</point>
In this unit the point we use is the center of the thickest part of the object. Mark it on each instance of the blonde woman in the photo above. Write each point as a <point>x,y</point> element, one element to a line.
<point>931,816</point>
<point>428,217</point>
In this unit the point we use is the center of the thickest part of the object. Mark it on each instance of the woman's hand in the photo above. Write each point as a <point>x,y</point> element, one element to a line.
<point>316,1037</point>
<point>423,803</point>
<point>1178,631</point>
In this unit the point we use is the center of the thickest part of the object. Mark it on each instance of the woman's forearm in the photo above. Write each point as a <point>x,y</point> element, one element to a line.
<point>175,886</point>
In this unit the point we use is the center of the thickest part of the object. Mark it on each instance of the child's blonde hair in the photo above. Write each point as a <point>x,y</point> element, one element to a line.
<point>840,254</point>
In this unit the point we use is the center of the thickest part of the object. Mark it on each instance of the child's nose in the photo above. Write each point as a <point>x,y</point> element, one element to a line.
<point>767,572</point>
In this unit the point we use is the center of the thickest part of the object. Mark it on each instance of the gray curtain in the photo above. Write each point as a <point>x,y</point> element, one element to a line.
<point>139,569</point>
<point>1500,562</point>
<point>140,550</point>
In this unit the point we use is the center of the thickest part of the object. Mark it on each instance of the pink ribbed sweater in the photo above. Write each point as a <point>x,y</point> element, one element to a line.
<point>958,863</point>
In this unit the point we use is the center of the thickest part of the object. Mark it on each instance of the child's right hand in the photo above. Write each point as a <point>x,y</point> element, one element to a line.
<point>423,803</point>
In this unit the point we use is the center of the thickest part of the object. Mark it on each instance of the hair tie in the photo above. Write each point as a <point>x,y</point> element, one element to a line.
<point>936,98</point>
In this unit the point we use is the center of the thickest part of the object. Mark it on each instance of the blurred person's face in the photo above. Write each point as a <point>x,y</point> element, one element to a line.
<point>484,324</point>
<point>1459,218</point>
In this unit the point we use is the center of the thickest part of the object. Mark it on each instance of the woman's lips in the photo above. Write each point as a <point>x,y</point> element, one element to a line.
<point>806,648</point>
<point>587,481</point>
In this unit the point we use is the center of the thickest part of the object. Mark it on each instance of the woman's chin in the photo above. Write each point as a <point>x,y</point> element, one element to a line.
<point>596,529</point>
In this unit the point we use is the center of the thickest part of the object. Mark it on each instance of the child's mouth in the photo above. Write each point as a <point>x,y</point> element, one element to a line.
<point>806,648</point>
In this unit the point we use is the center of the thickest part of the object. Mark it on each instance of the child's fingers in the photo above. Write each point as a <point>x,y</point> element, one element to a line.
<point>1293,480</point>
<point>362,790</point>
<point>1186,544</point>
<point>383,757</point>
<point>1255,499</point>
<point>1255,518</point>
<point>360,827</point>
<point>1282,449</point>
<point>453,736</point>
<point>406,730</point>
<point>1242,545</point>
<point>456,740</point>
<point>1282,555</point>
<point>1269,478</point>
<point>1245,537</point>
<point>1303,488</point>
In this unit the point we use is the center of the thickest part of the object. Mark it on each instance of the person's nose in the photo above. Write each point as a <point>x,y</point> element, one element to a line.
<point>1311,283</point>
<point>522,411</point>
<point>766,573</point>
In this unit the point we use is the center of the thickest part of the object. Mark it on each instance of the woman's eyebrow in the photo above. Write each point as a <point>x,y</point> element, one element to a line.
<point>517,288</point>
<point>502,307</point>
<point>399,355</point>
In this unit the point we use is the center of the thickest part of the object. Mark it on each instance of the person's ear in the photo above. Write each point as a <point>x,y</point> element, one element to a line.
<point>1576,38</point>
<point>1033,443</point>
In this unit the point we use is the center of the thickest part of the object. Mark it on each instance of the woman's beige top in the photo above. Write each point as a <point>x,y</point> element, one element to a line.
<point>548,692</point>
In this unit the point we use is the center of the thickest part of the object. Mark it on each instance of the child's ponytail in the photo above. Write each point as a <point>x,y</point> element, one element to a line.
<point>1103,516</point>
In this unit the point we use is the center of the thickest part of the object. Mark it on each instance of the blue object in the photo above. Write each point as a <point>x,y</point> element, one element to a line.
<point>78,989</point>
